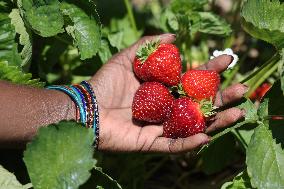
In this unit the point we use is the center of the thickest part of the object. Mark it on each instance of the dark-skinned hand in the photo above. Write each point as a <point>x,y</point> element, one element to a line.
<point>115,85</point>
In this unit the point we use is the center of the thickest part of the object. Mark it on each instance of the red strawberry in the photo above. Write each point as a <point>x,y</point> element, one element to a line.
<point>186,119</point>
<point>158,62</point>
<point>259,93</point>
<point>201,84</point>
<point>152,102</point>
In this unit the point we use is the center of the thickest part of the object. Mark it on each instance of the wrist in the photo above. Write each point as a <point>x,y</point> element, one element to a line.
<point>66,107</point>
<point>71,111</point>
<point>84,105</point>
<point>103,110</point>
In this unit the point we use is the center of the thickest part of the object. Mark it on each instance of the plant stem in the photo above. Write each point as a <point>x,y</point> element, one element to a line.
<point>230,78</point>
<point>262,79</point>
<point>131,16</point>
<point>259,76</point>
<point>274,58</point>
<point>226,131</point>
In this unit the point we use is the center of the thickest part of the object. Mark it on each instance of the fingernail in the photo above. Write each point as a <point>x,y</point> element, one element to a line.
<point>169,34</point>
<point>232,58</point>
<point>246,88</point>
<point>206,141</point>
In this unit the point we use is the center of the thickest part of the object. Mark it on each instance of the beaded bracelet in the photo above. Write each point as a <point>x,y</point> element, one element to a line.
<point>96,110</point>
<point>87,111</point>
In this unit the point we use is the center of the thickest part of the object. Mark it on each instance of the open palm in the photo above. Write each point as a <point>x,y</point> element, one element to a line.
<point>115,85</point>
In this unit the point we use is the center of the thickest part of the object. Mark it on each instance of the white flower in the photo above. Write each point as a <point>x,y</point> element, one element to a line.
<point>227,51</point>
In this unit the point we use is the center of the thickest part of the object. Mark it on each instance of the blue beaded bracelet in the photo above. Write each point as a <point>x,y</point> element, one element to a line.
<point>81,95</point>
<point>86,103</point>
<point>77,100</point>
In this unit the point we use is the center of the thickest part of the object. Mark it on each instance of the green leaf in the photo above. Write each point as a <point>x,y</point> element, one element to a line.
<point>213,24</point>
<point>60,156</point>
<point>85,30</point>
<point>244,136</point>
<point>116,39</point>
<point>265,160</point>
<point>262,111</point>
<point>15,75</point>
<point>8,47</point>
<point>190,22</point>
<point>253,115</point>
<point>172,20</point>
<point>250,117</point>
<point>166,21</point>
<point>44,16</point>
<point>104,51</point>
<point>9,181</point>
<point>122,30</point>
<point>186,5</point>
<point>263,19</point>
<point>25,39</point>
<point>250,109</point>
<point>241,181</point>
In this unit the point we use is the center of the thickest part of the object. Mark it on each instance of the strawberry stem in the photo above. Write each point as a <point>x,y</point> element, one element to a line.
<point>207,107</point>
<point>145,50</point>
<point>180,90</point>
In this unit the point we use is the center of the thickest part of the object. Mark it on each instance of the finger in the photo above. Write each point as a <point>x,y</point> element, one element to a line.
<point>164,38</point>
<point>218,64</point>
<point>230,94</point>
<point>225,118</point>
<point>168,145</point>
<point>146,136</point>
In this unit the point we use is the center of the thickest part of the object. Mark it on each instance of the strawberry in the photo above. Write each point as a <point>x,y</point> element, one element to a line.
<point>187,118</point>
<point>152,103</point>
<point>158,62</point>
<point>201,84</point>
<point>259,93</point>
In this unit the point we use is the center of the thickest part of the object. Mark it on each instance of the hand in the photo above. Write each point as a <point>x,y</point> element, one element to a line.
<point>115,85</point>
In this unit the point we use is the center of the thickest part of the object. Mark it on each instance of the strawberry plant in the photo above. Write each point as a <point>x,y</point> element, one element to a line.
<point>66,41</point>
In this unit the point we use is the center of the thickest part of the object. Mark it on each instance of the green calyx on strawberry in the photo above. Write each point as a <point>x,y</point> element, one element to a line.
<point>187,118</point>
<point>200,84</point>
<point>158,62</point>
<point>207,107</point>
<point>152,103</point>
<point>144,51</point>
